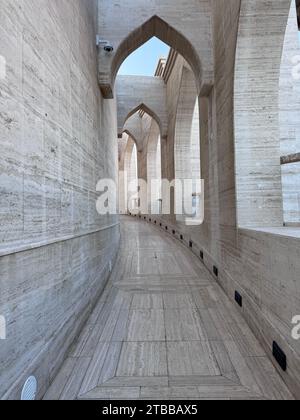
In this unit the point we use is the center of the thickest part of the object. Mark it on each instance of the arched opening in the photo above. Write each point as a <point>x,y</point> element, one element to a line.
<point>157,27</point>
<point>142,108</point>
<point>289,111</point>
<point>187,146</point>
<point>130,90</point>
<point>139,126</point>
<point>154,169</point>
<point>144,131</point>
<point>128,175</point>
<point>256,114</point>
<point>136,65</point>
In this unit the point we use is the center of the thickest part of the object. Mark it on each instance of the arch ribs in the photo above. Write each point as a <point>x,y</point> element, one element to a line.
<point>188,31</point>
<point>141,92</point>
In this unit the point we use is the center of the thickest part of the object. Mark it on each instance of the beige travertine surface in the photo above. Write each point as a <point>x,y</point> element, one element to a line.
<point>261,263</point>
<point>164,329</point>
<point>256,106</point>
<point>57,138</point>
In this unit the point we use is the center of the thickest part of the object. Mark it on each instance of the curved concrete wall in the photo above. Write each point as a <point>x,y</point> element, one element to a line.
<point>58,137</point>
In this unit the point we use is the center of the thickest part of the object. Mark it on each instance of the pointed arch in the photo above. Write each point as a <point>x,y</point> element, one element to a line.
<point>146,110</point>
<point>187,137</point>
<point>132,136</point>
<point>167,34</point>
<point>128,176</point>
<point>256,113</point>
<point>154,169</point>
<point>182,31</point>
<point>289,129</point>
<point>144,93</point>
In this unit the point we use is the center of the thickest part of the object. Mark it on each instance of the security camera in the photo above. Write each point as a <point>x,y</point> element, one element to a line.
<point>105,44</point>
<point>108,48</point>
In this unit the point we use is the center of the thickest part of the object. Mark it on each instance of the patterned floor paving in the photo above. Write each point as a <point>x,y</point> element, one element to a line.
<point>164,329</point>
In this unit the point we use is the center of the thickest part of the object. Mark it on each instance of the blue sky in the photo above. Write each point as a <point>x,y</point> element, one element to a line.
<point>143,62</point>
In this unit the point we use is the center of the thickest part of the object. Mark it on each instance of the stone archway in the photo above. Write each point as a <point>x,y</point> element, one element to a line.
<point>187,134</point>
<point>148,94</point>
<point>154,177</point>
<point>256,113</point>
<point>128,172</point>
<point>160,21</point>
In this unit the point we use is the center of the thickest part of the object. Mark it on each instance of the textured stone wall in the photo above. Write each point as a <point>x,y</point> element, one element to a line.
<point>257,129</point>
<point>262,264</point>
<point>289,106</point>
<point>57,138</point>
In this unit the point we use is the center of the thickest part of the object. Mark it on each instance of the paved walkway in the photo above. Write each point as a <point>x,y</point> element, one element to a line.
<point>164,329</point>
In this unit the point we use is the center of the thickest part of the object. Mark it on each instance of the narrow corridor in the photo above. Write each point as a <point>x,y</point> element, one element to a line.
<point>163,329</point>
